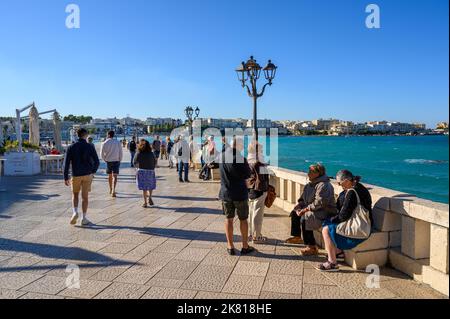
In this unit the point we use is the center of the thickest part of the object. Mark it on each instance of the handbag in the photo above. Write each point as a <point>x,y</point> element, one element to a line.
<point>359,225</point>
<point>271,196</point>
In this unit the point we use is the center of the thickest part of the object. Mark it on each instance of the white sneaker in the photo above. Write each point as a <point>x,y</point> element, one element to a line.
<point>74,219</point>
<point>85,221</point>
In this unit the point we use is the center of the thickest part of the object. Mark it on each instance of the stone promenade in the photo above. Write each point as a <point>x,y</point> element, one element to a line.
<point>175,250</point>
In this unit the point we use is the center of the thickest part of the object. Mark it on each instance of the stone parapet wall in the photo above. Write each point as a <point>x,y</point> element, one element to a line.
<point>411,233</point>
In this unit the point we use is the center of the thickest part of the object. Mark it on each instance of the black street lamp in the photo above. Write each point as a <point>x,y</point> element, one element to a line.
<point>251,70</point>
<point>189,112</point>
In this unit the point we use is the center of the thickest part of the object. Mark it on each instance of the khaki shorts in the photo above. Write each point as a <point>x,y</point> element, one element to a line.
<point>231,208</point>
<point>82,183</point>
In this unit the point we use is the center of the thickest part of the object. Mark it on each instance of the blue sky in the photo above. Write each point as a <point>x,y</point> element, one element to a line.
<point>153,57</point>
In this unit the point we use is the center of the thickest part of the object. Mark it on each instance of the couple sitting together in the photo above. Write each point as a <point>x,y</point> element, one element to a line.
<point>345,223</point>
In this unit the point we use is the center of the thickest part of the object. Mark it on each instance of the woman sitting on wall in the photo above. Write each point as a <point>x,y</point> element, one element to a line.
<point>352,225</point>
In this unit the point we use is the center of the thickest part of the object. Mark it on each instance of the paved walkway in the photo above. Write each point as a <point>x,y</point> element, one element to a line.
<point>175,250</point>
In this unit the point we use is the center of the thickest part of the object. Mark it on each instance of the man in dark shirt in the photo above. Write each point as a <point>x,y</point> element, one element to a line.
<point>83,159</point>
<point>156,145</point>
<point>132,148</point>
<point>234,170</point>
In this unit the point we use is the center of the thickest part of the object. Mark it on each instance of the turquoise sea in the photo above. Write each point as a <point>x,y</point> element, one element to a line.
<point>416,165</point>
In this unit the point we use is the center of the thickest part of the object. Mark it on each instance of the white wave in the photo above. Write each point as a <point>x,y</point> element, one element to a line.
<point>424,161</point>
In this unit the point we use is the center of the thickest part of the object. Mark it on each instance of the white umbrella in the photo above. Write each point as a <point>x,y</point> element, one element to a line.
<point>57,131</point>
<point>34,127</point>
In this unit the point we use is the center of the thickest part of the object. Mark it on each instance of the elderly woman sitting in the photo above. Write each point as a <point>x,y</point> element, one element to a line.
<point>354,196</point>
<point>315,205</point>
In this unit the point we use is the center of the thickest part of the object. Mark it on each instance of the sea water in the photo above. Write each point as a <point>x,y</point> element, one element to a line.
<point>417,165</point>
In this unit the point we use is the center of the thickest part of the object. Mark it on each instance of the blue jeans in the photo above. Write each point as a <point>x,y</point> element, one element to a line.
<point>183,166</point>
<point>132,158</point>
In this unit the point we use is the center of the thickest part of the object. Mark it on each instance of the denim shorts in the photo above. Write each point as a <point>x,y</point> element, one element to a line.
<point>112,167</point>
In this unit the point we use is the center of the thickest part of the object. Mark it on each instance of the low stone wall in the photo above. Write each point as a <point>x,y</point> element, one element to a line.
<point>411,233</point>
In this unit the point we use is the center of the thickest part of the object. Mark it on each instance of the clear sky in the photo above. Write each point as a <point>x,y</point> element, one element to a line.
<point>151,58</point>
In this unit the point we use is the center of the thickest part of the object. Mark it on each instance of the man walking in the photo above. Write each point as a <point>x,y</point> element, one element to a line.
<point>132,148</point>
<point>156,146</point>
<point>181,150</point>
<point>111,152</point>
<point>234,170</point>
<point>83,159</point>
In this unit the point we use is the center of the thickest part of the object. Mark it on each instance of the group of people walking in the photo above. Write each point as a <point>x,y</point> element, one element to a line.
<point>245,191</point>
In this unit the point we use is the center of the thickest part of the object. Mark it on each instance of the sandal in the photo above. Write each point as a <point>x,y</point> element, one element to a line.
<point>144,206</point>
<point>328,267</point>
<point>260,240</point>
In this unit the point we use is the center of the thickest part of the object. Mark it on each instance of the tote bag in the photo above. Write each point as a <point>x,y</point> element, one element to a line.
<point>358,226</point>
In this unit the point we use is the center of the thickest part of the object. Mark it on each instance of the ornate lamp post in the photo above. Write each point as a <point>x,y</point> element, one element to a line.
<point>251,71</point>
<point>189,112</point>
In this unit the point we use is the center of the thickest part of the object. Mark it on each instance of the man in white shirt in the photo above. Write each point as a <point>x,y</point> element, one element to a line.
<point>111,152</point>
<point>182,154</point>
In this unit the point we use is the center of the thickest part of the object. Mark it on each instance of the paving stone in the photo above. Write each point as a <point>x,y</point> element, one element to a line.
<point>275,295</point>
<point>171,247</point>
<point>286,267</point>
<point>177,269</point>
<point>118,248</point>
<point>315,277</point>
<point>10,294</point>
<point>44,266</point>
<point>128,239</point>
<point>48,285</point>
<point>169,293</point>
<point>285,284</point>
<point>123,291</point>
<point>407,289</point>
<point>138,274</point>
<point>88,289</point>
<point>208,278</point>
<point>110,273</point>
<point>311,291</point>
<point>32,295</point>
<point>155,259</point>
<point>165,282</point>
<point>193,254</point>
<point>220,295</point>
<point>251,268</point>
<point>17,280</point>
<point>244,284</point>
<point>220,260</point>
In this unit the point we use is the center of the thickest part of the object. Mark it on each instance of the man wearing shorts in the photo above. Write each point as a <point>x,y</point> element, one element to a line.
<point>234,170</point>
<point>83,159</point>
<point>111,152</point>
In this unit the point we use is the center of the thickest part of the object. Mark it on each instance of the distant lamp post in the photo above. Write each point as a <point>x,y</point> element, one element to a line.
<point>190,112</point>
<point>251,70</point>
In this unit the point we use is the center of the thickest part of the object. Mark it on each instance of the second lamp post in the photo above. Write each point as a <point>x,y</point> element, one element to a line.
<point>190,111</point>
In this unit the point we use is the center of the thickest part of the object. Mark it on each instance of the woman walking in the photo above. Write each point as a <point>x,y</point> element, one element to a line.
<point>145,163</point>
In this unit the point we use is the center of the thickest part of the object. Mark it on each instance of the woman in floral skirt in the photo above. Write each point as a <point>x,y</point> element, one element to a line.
<point>145,163</point>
